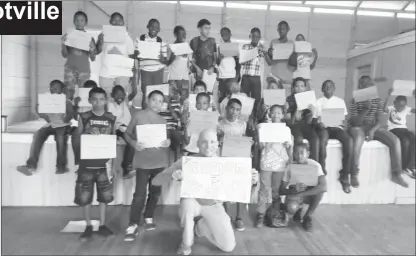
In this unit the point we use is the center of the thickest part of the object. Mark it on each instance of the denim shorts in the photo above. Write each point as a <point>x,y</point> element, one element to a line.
<point>84,187</point>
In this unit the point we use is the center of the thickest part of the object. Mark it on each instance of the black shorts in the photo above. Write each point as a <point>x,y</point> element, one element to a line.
<point>84,187</point>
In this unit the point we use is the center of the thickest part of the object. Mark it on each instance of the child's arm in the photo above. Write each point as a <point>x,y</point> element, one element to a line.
<point>315,52</point>
<point>318,189</point>
<point>171,58</point>
<point>129,134</point>
<point>165,176</point>
<point>385,107</point>
<point>266,55</point>
<point>100,43</point>
<point>133,85</point>
<point>162,58</point>
<point>64,50</point>
<point>93,50</point>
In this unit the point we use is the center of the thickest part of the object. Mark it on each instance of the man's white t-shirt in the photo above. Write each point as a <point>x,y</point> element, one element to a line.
<point>398,119</point>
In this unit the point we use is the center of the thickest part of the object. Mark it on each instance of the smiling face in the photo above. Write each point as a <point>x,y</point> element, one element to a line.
<point>202,103</point>
<point>207,143</point>
<point>155,102</point>
<point>328,88</point>
<point>117,20</point>
<point>119,96</point>
<point>300,86</point>
<point>80,22</point>
<point>276,114</point>
<point>154,28</point>
<point>233,111</point>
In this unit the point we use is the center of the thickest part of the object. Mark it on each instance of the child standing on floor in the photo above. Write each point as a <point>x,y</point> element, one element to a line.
<point>305,124</point>
<point>205,50</point>
<point>77,67</point>
<point>233,126</point>
<point>228,67</point>
<point>396,124</point>
<point>98,171</point>
<point>118,105</point>
<point>364,124</point>
<point>299,194</point>
<point>148,162</point>
<point>126,49</point>
<point>151,71</point>
<point>57,125</point>
<point>275,159</point>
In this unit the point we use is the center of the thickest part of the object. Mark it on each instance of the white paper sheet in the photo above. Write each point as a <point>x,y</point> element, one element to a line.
<point>236,147</point>
<point>303,173</point>
<point>304,99</point>
<point>201,120</point>
<point>52,103</point>
<point>229,49</point>
<point>101,146</point>
<point>274,132</point>
<point>181,48</point>
<point>149,50</point>
<point>164,88</point>
<point>333,117</point>
<point>403,87</point>
<point>79,226</point>
<point>78,39</point>
<point>151,135</point>
<point>114,34</point>
<point>247,55</point>
<point>272,97</point>
<point>282,51</point>
<point>365,94</point>
<point>83,94</point>
<point>119,65</point>
<point>304,72</point>
<point>248,104</point>
<point>216,178</point>
<point>302,46</point>
<point>209,80</point>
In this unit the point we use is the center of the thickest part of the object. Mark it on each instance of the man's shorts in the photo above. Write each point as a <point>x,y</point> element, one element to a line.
<point>84,187</point>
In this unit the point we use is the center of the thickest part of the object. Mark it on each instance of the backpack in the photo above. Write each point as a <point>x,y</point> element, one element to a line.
<point>276,216</point>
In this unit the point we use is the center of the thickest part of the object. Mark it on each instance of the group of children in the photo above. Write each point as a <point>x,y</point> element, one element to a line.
<point>110,114</point>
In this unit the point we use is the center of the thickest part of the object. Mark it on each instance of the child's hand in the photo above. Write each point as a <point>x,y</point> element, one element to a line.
<point>199,72</point>
<point>369,135</point>
<point>177,175</point>
<point>367,105</point>
<point>101,37</point>
<point>210,71</point>
<point>322,125</point>
<point>139,146</point>
<point>254,176</point>
<point>77,100</point>
<point>312,108</point>
<point>390,91</point>
<point>63,38</point>
<point>270,52</point>
<point>165,143</point>
<point>265,107</point>
<point>300,187</point>
<point>286,144</point>
<point>136,54</point>
<point>92,46</point>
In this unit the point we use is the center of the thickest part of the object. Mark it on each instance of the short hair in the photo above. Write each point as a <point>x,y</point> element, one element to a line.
<point>200,83</point>
<point>203,22</point>
<point>97,90</point>
<point>81,13</point>
<point>153,21</point>
<point>156,92</point>
<point>327,81</point>
<point>203,94</point>
<point>117,88</point>
<point>297,79</point>
<point>283,22</point>
<point>115,14</point>
<point>278,106</point>
<point>56,81</point>
<point>273,80</point>
<point>90,84</point>
<point>300,145</point>
<point>177,29</point>
<point>225,28</point>
<point>253,30</point>
<point>400,98</point>
<point>234,100</point>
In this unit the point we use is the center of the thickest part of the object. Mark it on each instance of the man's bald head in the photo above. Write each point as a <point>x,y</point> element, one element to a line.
<point>208,142</point>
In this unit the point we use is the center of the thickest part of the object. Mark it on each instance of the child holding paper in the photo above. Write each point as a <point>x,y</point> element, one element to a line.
<point>303,59</point>
<point>151,71</point>
<point>329,101</point>
<point>57,125</point>
<point>299,194</point>
<point>364,124</point>
<point>77,67</point>
<point>99,171</point>
<point>202,217</point>
<point>272,84</point>
<point>396,124</point>
<point>198,87</point>
<point>228,67</point>
<point>275,159</point>
<point>205,50</point>
<point>148,162</point>
<point>118,105</point>
<point>305,124</point>
<point>126,49</point>
<point>233,126</point>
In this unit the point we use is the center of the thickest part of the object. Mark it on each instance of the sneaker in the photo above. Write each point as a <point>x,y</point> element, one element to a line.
<point>149,224</point>
<point>410,173</point>
<point>355,183</point>
<point>131,232</point>
<point>60,170</point>
<point>307,223</point>
<point>398,179</point>
<point>297,216</point>
<point>184,249</point>
<point>239,225</point>
<point>259,220</point>
<point>87,234</point>
<point>104,231</point>
<point>196,229</point>
<point>26,170</point>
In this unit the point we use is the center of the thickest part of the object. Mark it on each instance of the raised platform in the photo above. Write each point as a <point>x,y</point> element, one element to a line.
<point>48,189</point>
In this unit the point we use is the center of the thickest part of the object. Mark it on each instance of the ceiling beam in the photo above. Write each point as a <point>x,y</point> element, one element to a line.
<point>406,5</point>
<point>101,9</point>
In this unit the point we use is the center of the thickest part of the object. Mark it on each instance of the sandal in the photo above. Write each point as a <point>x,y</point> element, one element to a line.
<point>410,173</point>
